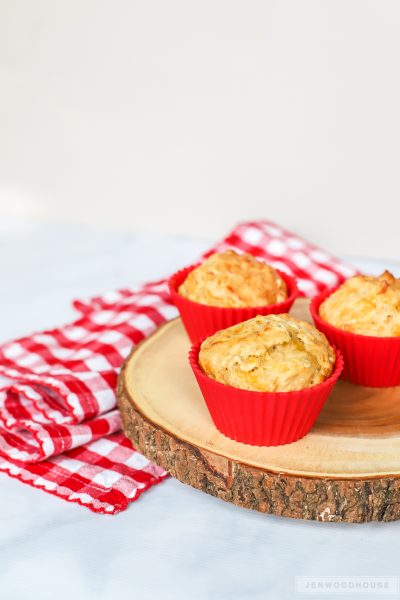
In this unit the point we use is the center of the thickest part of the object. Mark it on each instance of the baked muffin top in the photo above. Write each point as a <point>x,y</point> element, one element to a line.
<point>273,353</point>
<point>233,280</point>
<point>366,305</point>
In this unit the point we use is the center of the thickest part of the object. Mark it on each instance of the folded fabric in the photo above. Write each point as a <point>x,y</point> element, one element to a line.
<point>59,426</point>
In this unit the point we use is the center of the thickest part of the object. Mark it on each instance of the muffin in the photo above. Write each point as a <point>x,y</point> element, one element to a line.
<point>234,280</point>
<point>365,305</point>
<point>362,319</point>
<point>274,353</point>
<point>229,288</point>
<point>265,381</point>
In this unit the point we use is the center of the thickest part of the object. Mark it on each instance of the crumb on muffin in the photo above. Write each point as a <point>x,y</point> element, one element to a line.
<point>366,305</point>
<point>233,280</point>
<point>273,353</point>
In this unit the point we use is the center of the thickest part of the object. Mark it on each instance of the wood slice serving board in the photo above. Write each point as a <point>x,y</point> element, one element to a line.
<point>346,469</point>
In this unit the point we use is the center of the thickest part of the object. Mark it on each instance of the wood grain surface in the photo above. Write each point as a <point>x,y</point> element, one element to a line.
<point>346,469</point>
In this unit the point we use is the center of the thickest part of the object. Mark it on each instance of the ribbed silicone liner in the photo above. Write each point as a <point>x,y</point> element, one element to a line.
<point>201,320</point>
<point>263,418</point>
<point>368,360</point>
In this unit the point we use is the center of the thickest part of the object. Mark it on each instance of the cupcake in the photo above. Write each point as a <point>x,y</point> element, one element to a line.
<point>265,380</point>
<point>362,318</point>
<point>229,288</point>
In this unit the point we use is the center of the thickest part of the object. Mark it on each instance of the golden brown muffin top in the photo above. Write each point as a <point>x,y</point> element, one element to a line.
<point>234,280</point>
<point>365,305</point>
<point>273,353</point>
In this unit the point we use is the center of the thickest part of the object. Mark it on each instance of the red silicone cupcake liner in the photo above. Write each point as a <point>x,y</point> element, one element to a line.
<point>201,320</point>
<point>369,360</point>
<point>263,418</point>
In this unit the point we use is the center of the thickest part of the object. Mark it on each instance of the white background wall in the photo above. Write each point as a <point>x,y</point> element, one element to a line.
<point>183,116</point>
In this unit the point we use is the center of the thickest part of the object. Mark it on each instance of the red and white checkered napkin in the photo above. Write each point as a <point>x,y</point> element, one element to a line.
<point>59,426</point>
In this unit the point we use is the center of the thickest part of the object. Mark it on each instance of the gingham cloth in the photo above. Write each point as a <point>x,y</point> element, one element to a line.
<point>59,426</point>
